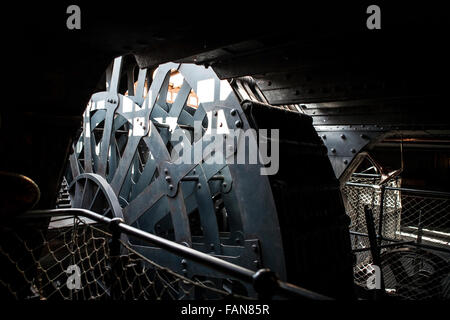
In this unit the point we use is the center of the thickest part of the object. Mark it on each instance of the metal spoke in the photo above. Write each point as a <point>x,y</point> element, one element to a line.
<point>180,100</point>
<point>144,201</point>
<point>125,164</point>
<point>106,140</point>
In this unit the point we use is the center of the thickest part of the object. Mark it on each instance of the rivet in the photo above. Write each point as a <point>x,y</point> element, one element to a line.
<point>333,150</point>
<point>184,262</point>
<point>224,184</point>
<point>238,124</point>
<point>199,186</point>
<point>343,136</point>
<point>345,161</point>
<point>170,186</point>
<point>324,136</point>
<point>352,150</point>
<point>233,112</point>
<point>168,178</point>
<point>166,170</point>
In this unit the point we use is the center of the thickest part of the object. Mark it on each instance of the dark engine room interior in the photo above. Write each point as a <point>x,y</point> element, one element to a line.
<point>348,99</point>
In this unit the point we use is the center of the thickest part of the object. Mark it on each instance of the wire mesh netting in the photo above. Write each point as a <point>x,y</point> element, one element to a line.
<point>408,272</point>
<point>78,262</point>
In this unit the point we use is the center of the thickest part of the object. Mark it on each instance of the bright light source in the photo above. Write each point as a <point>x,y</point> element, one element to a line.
<point>205,90</point>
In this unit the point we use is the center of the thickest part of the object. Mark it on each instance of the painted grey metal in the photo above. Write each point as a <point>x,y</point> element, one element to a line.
<point>124,144</point>
<point>420,191</point>
<point>345,142</point>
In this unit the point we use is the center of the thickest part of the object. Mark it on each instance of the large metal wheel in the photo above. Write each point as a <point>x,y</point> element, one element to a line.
<point>123,166</point>
<point>128,156</point>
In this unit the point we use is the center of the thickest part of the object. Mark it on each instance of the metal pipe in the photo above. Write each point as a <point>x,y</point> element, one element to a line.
<point>427,192</point>
<point>411,243</point>
<point>366,175</point>
<point>207,260</point>
<point>381,217</point>
<point>362,185</point>
<point>290,289</point>
<point>375,186</point>
<point>388,245</point>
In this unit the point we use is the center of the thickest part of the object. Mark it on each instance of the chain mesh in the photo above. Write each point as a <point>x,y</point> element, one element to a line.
<point>409,272</point>
<point>45,263</point>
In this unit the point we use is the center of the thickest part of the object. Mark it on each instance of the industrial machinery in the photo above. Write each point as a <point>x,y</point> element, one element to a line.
<point>315,89</point>
<point>124,165</point>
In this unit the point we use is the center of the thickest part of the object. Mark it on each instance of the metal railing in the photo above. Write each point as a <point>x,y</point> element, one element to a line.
<point>264,281</point>
<point>417,191</point>
<point>404,231</point>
